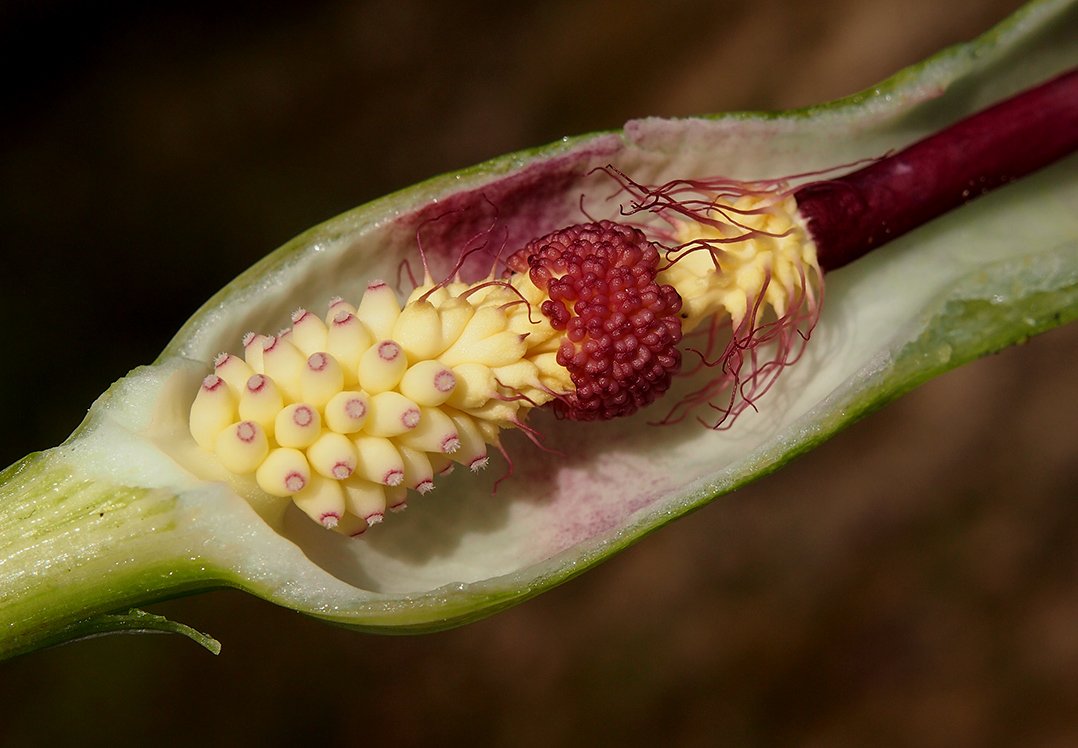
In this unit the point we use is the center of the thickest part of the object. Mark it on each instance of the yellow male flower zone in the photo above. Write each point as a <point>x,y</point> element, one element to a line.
<point>349,412</point>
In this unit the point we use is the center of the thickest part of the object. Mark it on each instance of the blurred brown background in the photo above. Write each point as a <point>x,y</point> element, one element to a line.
<point>913,582</point>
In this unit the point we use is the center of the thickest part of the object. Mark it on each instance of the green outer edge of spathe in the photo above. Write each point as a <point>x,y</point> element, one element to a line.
<point>133,621</point>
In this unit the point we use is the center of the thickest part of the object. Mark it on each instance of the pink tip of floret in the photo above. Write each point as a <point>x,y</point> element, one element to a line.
<point>211,382</point>
<point>294,482</point>
<point>256,382</point>
<point>330,519</point>
<point>355,408</point>
<point>479,463</point>
<point>302,416</point>
<point>221,359</point>
<point>317,362</point>
<point>375,285</point>
<point>299,315</point>
<point>246,432</point>
<point>425,486</point>
<point>374,518</point>
<point>444,381</point>
<point>393,477</point>
<point>343,317</point>
<point>450,444</point>
<point>248,338</point>
<point>342,470</point>
<point>389,351</point>
<point>410,418</point>
<point>399,507</point>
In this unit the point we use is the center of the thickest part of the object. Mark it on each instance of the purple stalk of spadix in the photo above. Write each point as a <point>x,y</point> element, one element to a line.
<point>851,215</point>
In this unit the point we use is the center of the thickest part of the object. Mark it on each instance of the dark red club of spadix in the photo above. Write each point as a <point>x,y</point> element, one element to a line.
<point>621,327</point>
<point>851,215</point>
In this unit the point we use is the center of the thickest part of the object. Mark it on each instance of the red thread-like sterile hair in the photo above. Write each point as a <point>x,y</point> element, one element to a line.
<point>749,355</point>
<point>621,327</point>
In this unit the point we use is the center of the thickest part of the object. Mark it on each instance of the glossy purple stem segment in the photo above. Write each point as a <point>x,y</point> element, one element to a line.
<point>852,215</point>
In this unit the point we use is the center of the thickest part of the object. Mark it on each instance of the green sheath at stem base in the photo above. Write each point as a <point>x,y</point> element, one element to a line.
<point>74,549</point>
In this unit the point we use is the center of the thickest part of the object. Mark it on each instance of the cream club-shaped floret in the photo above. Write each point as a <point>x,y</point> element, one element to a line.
<point>348,412</point>
<point>345,413</point>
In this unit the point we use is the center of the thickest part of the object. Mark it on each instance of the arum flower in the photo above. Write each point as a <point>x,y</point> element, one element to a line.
<point>615,280</point>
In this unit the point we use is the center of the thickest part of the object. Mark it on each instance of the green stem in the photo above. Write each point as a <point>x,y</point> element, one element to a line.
<point>73,551</point>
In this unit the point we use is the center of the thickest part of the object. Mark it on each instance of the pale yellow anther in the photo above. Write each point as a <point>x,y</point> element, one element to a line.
<point>486,321</point>
<point>365,499</point>
<point>538,333</point>
<point>242,447</point>
<point>336,306</point>
<point>473,449</point>
<point>297,425</point>
<point>234,370</point>
<point>260,401</point>
<point>436,433</point>
<point>397,499</point>
<point>441,464</point>
<point>736,304</point>
<point>499,349</point>
<point>346,412</point>
<point>308,332</point>
<point>481,294</point>
<point>488,430</point>
<point>382,366</point>
<point>284,472</point>
<point>475,385</point>
<point>496,410</point>
<point>418,473</point>
<point>213,410</point>
<point>455,313</point>
<point>350,525</point>
<point>418,330</point>
<point>379,309</point>
<point>427,291</point>
<point>322,500</point>
<point>320,379</point>
<point>253,346</point>
<point>779,261</point>
<point>283,363</point>
<point>428,383</point>
<point>333,455</point>
<point>553,375</point>
<point>481,337</point>
<point>377,460</point>
<point>391,414</point>
<point>519,376</point>
<point>346,341</point>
